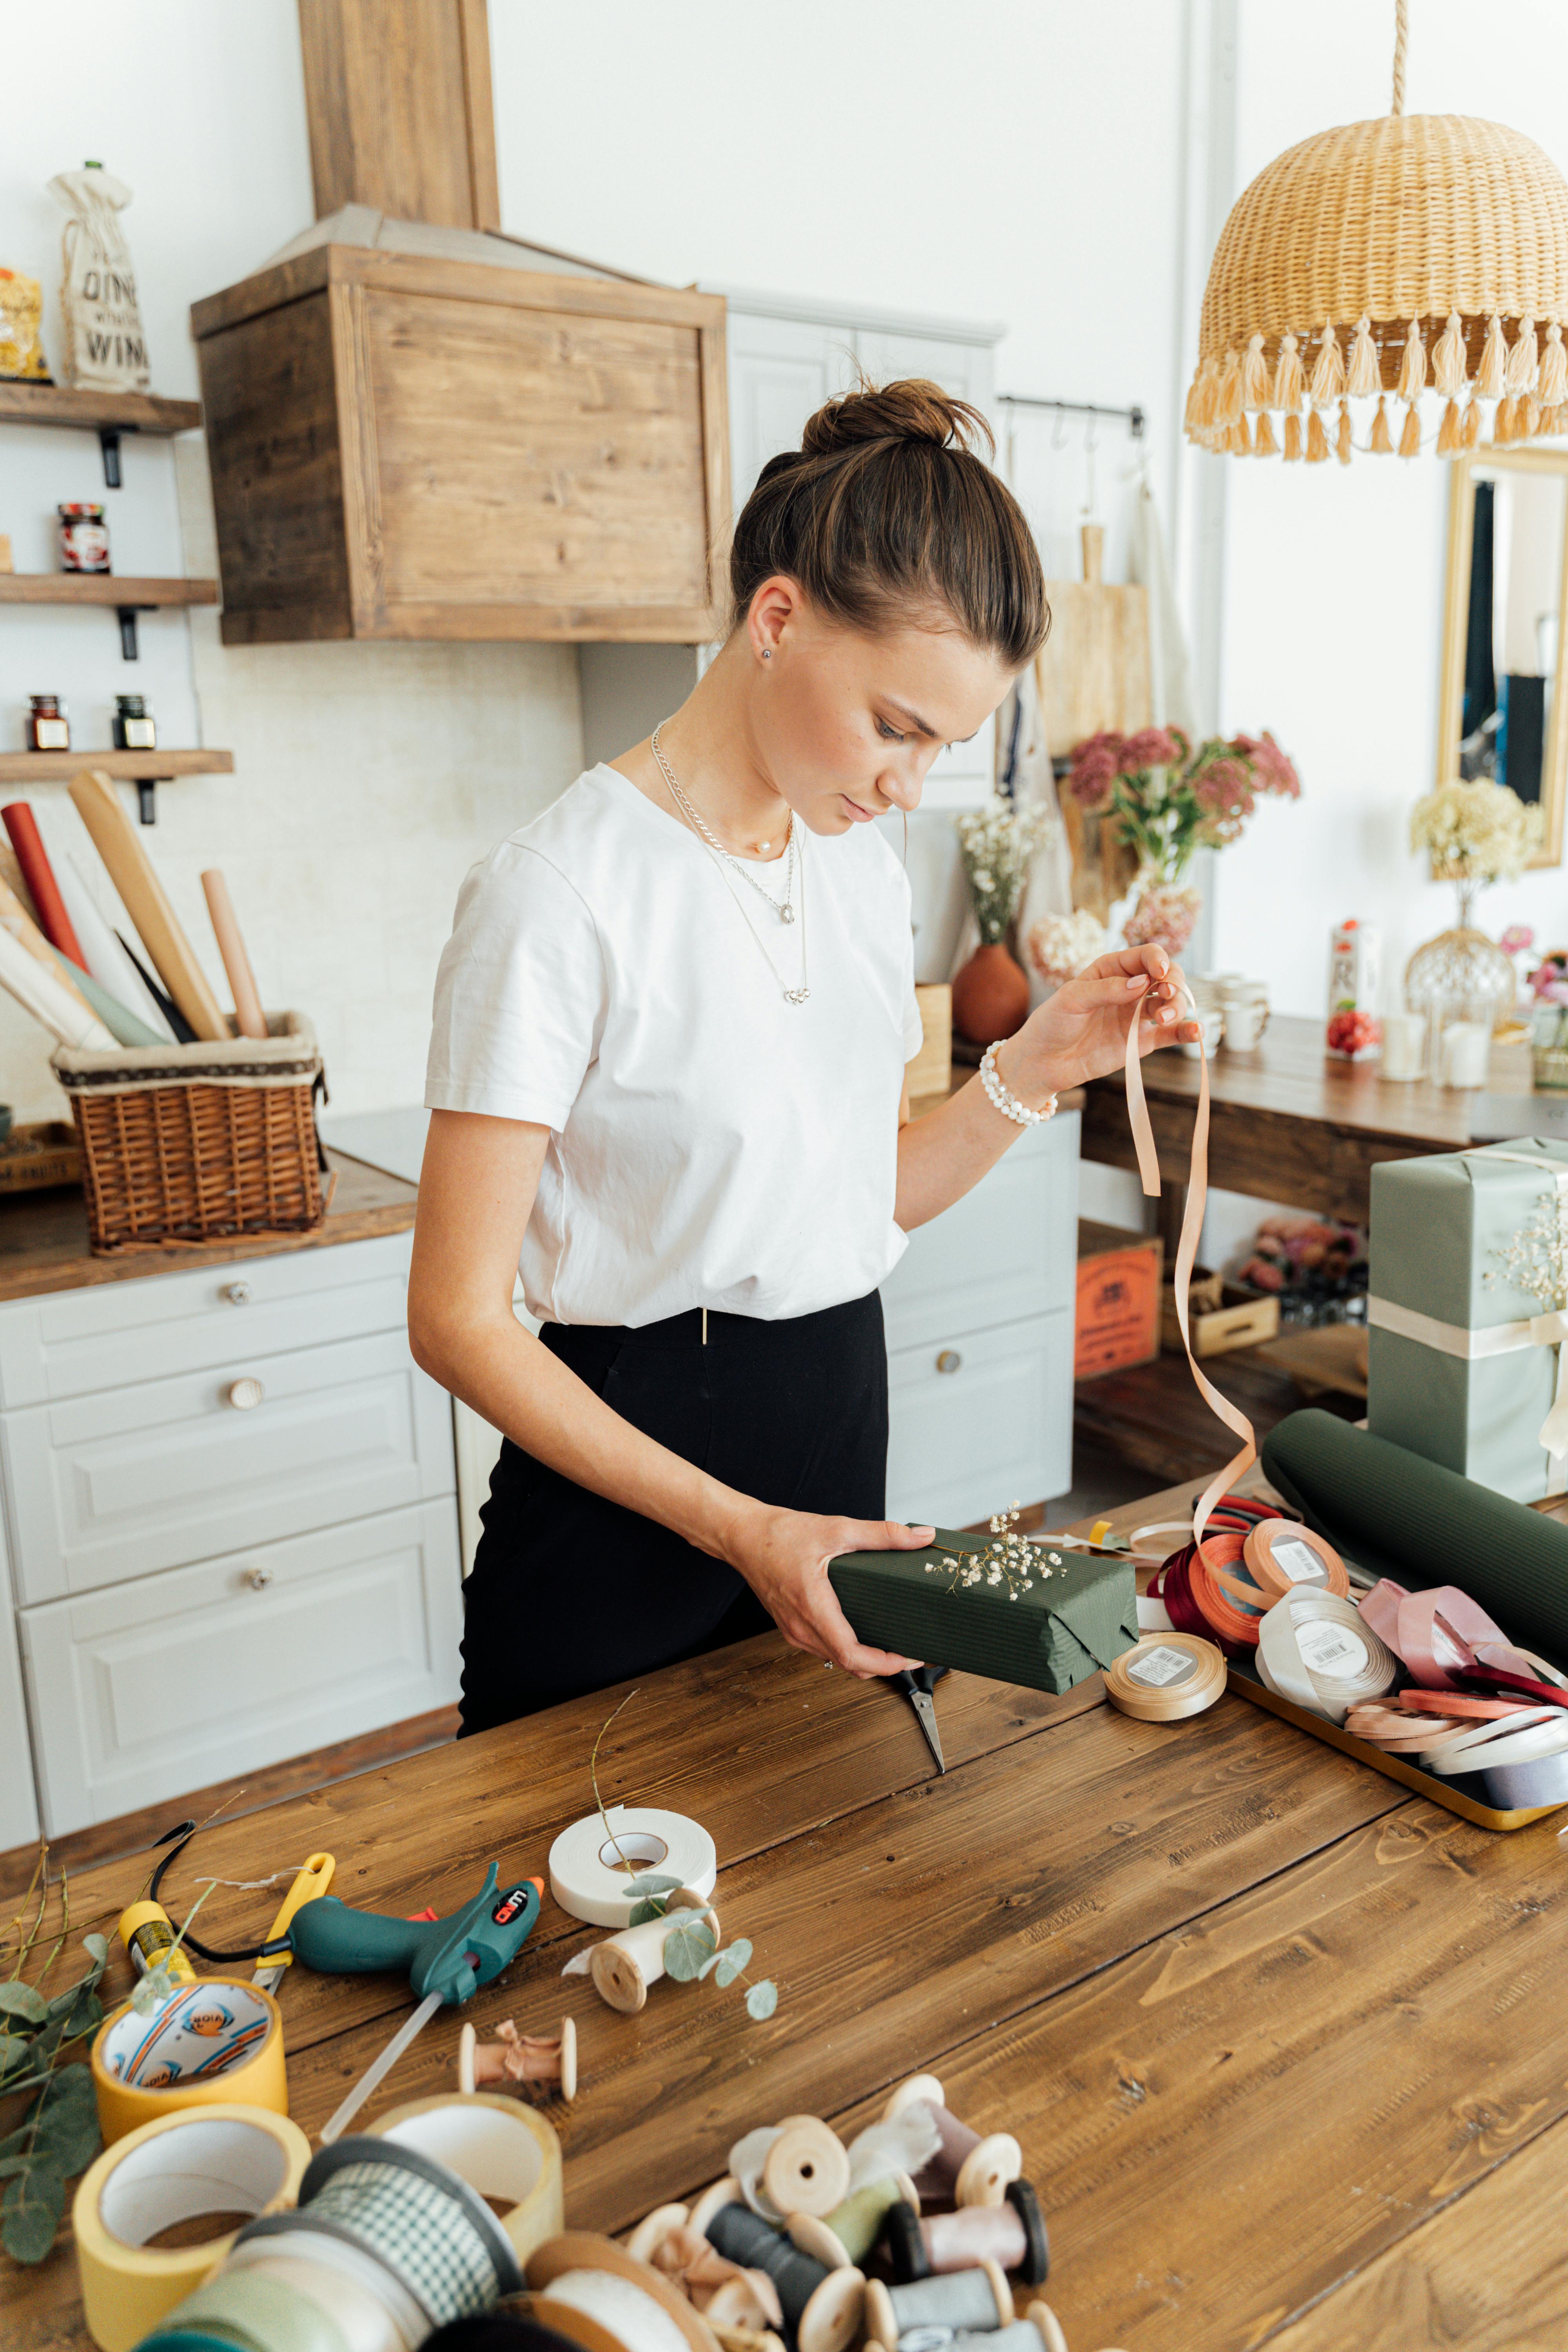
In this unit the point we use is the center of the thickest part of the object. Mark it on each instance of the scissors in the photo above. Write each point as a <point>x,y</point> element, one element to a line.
<point>916,1684</point>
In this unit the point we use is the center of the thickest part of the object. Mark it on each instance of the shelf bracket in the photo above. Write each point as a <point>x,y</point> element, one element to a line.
<point>146,798</point>
<point>128,649</point>
<point>109,442</point>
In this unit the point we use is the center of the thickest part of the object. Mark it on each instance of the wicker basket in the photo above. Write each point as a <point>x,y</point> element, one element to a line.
<point>198,1143</point>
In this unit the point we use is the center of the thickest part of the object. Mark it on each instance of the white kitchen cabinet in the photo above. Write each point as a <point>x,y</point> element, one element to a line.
<point>145,1689</point>
<point>18,1800</point>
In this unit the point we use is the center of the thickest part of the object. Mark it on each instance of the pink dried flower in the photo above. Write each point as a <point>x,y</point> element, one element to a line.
<point>1152,746</point>
<point>1095,764</point>
<point>1272,770</point>
<point>1516,938</point>
<point>1549,973</point>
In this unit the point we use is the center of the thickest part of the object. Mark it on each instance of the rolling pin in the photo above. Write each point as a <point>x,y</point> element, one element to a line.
<point>131,871</point>
<point>248,1013</point>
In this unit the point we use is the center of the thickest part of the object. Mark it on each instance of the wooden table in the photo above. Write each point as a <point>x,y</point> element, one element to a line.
<point>1287,2048</point>
<point>1286,1122</point>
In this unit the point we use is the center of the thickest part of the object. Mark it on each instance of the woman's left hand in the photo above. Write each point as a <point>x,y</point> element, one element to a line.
<point>1080,1032</point>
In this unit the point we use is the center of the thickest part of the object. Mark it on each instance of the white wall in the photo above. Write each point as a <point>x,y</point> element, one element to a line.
<point>367,778</point>
<point>1334,575</point>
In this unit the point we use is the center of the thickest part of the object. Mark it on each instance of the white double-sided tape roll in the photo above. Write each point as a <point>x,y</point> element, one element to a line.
<point>506,2150</point>
<point>591,1864</point>
<point>212,2159</point>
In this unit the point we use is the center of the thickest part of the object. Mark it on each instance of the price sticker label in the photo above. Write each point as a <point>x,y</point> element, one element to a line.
<point>1163,1666</point>
<point>1333,1651</point>
<point>1298,1562</point>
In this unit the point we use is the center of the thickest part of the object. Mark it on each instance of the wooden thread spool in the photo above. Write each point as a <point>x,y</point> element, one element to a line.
<point>625,1965</point>
<point>852,2229</point>
<point>727,2191</point>
<point>1011,2234</point>
<point>966,2168</point>
<point>588,2288</point>
<point>743,2300</point>
<point>822,2307</point>
<point>514,2057</point>
<point>806,2170</point>
<point>972,2302</point>
<point>1018,2336</point>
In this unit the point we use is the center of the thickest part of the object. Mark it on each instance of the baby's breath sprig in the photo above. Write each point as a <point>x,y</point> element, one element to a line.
<point>1009,1559</point>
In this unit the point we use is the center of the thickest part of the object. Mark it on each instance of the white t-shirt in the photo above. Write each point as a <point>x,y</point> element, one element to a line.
<point>712,1145</point>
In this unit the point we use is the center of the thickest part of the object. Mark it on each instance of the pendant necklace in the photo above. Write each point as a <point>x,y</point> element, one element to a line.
<point>728,862</point>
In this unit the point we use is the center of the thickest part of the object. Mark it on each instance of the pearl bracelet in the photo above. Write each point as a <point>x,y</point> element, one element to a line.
<point>1002,1097</point>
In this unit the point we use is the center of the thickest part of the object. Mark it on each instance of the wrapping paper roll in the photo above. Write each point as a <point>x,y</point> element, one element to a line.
<point>131,871</point>
<point>212,2042</point>
<point>501,2148</point>
<point>1397,1515</point>
<point>222,2158</point>
<point>107,960</point>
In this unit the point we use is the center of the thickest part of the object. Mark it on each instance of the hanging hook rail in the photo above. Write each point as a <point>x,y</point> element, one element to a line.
<point>1133,417</point>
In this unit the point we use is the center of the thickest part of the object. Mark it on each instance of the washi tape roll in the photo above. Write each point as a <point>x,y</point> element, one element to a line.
<point>588,2288</point>
<point>1166,1677</point>
<point>592,1864</point>
<point>1317,1650</point>
<point>216,2042</point>
<point>505,2150</point>
<point>1285,1557</point>
<point>224,2158</point>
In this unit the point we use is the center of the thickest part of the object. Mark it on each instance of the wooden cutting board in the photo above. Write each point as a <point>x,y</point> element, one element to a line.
<point>1093,673</point>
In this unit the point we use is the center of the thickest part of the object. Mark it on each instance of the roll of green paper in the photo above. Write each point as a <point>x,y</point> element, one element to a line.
<point>1075,1617</point>
<point>1396,1513</point>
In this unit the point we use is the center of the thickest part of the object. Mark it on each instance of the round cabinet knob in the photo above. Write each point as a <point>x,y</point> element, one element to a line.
<point>237,1293</point>
<point>950,1360</point>
<point>259,1579</point>
<point>243,1394</point>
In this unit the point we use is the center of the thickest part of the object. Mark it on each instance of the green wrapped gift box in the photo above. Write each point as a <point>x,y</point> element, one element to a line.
<point>1462,1362</point>
<point>1069,1622</point>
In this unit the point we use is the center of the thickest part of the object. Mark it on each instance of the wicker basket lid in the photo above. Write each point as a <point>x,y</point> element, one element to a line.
<point>1413,252</point>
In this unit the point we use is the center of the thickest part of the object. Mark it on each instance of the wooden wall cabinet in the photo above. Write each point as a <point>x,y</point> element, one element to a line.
<point>405,445</point>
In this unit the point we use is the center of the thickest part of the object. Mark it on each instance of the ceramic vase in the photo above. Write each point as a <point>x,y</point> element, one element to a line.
<point>990,996</point>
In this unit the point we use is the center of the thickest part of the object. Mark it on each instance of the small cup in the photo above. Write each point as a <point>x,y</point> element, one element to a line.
<point>5,1121</point>
<point>1246,1018</point>
<point>1212,1022</point>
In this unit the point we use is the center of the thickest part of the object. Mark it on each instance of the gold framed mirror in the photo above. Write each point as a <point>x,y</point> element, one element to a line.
<point>1499,712</point>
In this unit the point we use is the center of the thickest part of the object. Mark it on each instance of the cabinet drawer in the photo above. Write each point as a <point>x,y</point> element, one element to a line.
<point>150,1326</point>
<point>103,1488</point>
<point>981,1422</point>
<point>1008,1250</point>
<point>174,1681</point>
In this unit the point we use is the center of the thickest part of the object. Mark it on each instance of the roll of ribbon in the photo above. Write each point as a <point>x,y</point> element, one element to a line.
<point>1440,1635</point>
<point>591,2290</point>
<point>368,2316</point>
<point>592,1863</point>
<point>1283,1555</point>
<point>1166,1677</point>
<point>967,2169</point>
<point>247,2308</point>
<point>969,2301</point>
<point>420,2219</point>
<point>1484,1747</point>
<point>215,2042</point>
<point>225,2158</point>
<point>1315,1651</point>
<point>332,2254</point>
<point>503,2148</point>
<point>822,2306</point>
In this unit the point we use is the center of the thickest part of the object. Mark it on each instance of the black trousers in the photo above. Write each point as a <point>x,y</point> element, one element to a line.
<point>570,1592</point>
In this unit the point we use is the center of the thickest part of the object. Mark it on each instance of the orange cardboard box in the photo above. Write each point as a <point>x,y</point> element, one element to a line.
<point>1118,1300</point>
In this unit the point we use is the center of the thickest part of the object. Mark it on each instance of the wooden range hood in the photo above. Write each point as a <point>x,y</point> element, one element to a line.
<point>430,430</point>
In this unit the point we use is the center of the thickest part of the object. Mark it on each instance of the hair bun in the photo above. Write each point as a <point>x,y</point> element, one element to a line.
<point>914,409</point>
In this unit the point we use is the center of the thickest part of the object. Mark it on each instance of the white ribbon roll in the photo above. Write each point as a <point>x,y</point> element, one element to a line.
<point>1521,1738</point>
<point>1317,1650</point>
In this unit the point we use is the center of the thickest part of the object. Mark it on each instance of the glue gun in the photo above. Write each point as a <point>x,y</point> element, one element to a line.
<point>447,1958</point>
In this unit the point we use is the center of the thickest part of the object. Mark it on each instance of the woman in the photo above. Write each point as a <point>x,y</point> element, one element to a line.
<point>667,1069</point>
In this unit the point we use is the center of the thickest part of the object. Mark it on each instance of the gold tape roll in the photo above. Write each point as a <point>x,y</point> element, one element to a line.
<point>216,2041</point>
<point>221,2159</point>
<point>500,2147</point>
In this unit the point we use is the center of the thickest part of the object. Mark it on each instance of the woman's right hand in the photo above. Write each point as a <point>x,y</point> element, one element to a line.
<point>784,1557</point>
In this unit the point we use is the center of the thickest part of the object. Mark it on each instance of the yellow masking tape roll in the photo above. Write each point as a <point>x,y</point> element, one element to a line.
<point>217,2040</point>
<point>222,2158</point>
<point>500,2147</point>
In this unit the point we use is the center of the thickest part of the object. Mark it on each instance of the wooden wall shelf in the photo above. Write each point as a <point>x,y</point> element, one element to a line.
<point>117,589</point>
<point>131,767</point>
<point>97,411</point>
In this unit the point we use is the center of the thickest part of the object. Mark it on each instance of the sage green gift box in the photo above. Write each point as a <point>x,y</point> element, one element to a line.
<point>1462,1364</point>
<point>1064,1628</point>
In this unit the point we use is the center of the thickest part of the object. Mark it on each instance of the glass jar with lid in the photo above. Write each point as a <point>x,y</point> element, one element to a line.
<point>49,726</point>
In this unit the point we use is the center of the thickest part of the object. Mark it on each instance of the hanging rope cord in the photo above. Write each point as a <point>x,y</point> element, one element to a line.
<point>184,1834</point>
<point>1401,43</point>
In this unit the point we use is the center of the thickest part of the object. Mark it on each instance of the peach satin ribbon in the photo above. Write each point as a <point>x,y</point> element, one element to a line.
<point>1232,1417</point>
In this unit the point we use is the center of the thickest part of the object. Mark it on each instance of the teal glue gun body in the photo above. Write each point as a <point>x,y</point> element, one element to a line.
<point>452,1956</point>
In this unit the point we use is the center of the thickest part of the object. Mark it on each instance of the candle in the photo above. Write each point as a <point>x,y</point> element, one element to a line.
<point>1403,1045</point>
<point>1466,1046</point>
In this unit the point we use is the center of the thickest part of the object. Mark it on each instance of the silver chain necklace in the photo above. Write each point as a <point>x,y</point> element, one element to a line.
<point>783,908</point>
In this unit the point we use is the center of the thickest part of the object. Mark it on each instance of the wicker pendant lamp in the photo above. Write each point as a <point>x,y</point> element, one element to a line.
<point>1382,259</point>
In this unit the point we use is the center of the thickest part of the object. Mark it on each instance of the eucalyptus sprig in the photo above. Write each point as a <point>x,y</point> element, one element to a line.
<point>58,2138</point>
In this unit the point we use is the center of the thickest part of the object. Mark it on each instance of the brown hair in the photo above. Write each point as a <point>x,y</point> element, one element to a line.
<point>885,514</point>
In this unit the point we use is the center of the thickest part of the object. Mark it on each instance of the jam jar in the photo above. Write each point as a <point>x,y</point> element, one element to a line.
<point>84,539</point>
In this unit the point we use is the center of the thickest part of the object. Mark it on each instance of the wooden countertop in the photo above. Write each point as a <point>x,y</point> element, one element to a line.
<point>1287,2048</point>
<point>44,1247</point>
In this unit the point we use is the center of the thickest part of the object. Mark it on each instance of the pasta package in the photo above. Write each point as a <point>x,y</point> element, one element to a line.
<point>22,357</point>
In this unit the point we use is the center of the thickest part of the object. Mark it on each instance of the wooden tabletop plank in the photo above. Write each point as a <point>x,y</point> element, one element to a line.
<point>1488,2272</point>
<point>1229,2124</point>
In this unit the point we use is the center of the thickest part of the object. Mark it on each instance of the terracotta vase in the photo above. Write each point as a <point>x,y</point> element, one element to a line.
<point>990,996</point>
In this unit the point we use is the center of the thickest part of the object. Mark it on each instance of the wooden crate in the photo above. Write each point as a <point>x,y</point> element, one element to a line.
<point>405,445</point>
<point>40,1158</point>
<point>930,1072</point>
<point>1220,1316</point>
<point>1117,1321</point>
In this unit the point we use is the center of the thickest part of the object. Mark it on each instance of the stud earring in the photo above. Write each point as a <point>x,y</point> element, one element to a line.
<point>766,654</point>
